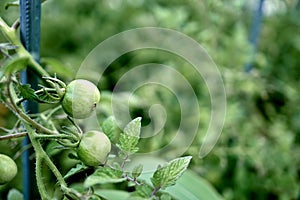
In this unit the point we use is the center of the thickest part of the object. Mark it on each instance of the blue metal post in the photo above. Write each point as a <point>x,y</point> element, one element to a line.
<point>254,33</point>
<point>30,14</point>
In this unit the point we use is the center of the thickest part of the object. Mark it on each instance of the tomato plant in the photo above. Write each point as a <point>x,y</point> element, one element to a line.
<point>262,106</point>
<point>91,149</point>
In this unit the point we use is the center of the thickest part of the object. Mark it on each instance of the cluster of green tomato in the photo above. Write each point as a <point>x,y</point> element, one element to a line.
<point>79,101</point>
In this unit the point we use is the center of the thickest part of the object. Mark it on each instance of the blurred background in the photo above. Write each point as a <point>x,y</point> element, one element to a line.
<point>257,154</point>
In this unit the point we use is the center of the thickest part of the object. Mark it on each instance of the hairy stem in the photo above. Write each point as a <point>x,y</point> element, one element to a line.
<point>10,34</point>
<point>133,180</point>
<point>124,161</point>
<point>53,137</point>
<point>21,114</point>
<point>42,156</point>
<point>155,191</point>
<point>15,135</point>
<point>39,178</point>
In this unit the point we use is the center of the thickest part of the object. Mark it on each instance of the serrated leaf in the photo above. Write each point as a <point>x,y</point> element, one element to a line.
<point>193,187</point>
<point>128,143</point>
<point>104,175</point>
<point>130,137</point>
<point>137,170</point>
<point>15,64</point>
<point>110,128</point>
<point>133,128</point>
<point>190,186</point>
<point>45,98</point>
<point>78,168</point>
<point>14,194</point>
<point>27,92</point>
<point>168,174</point>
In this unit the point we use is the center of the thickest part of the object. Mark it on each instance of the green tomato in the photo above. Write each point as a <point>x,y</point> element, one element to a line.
<point>8,169</point>
<point>93,148</point>
<point>80,99</point>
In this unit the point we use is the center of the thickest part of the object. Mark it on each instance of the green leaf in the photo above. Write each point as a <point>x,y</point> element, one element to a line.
<point>110,128</point>
<point>136,172</point>
<point>128,143</point>
<point>112,194</point>
<point>27,92</point>
<point>168,174</point>
<point>14,194</point>
<point>44,98</point>
<point>104,175</point>
<point>78,168</point>
<point>190,186</point>
<point>133,128</point>
<point>193,187</point>
<point>15,64</point>
<point>130,138</point>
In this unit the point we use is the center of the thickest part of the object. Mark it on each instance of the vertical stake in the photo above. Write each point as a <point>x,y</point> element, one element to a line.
<point>30,14</point>
<point>254,33</point>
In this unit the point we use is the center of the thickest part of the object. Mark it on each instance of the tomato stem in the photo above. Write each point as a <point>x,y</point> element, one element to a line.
<point>15,135</point>
<point>41,156</point>
<point>21,114</point>
<point>10,34</point>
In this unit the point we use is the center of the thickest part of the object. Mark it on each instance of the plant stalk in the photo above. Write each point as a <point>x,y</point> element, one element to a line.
<point>10,34</point>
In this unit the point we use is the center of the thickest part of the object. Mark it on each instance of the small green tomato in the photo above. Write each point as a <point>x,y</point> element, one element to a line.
<point>80,99</point>
<point>93,148</point>
<point>8,169</point>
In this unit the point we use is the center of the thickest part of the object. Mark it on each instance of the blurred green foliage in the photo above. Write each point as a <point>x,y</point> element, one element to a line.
<point>256,156</point>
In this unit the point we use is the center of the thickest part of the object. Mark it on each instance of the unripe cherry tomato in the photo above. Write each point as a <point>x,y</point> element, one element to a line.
<point>93,148</point>
<point>80,99</point>
<point>8,169</point>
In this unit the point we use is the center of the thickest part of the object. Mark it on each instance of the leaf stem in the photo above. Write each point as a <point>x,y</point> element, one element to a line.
<point>52,111</point>
<point>155,191</point>
<point>133,180</point>
<point>21,114</point>
<point>124,161</point>
<point>16,24</point>
<point>10,34</point>
<point>54,137</point>
<point>15,135</point>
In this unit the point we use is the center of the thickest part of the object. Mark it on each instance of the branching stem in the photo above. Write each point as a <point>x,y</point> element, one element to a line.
<point>124,161</point>
<point>155,191</point>
<point>10,34</point>
<point>15,135</point>
<point>19,112</point>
